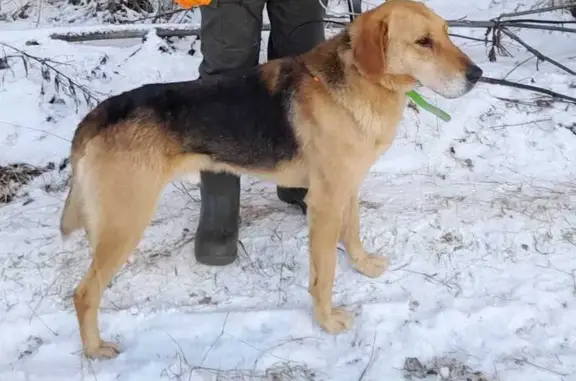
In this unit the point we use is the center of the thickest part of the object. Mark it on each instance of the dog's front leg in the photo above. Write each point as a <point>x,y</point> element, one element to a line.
<point>368,264</point>
<point>325,211</point>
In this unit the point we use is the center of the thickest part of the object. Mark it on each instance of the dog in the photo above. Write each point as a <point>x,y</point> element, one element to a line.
<point>317,121</point>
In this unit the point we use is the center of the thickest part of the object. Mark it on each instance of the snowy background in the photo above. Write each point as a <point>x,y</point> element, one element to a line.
<point>476,215</point>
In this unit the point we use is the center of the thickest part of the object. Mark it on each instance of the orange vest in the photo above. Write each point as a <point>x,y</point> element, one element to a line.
<point>192,3</point>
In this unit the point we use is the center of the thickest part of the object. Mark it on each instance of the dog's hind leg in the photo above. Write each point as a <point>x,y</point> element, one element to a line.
<point>119,196</point>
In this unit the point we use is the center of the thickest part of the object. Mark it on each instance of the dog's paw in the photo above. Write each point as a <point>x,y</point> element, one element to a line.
<point>339,320</point>
<point>104,351</point>
<point>372,265</point>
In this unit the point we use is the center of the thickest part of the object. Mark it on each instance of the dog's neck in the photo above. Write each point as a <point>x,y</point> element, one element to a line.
<point>398,83</point>
<point>336,55</point>
<point>331,65</point>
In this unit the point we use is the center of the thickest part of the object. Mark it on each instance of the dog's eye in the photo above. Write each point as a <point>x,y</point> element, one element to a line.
<point>425,42</point>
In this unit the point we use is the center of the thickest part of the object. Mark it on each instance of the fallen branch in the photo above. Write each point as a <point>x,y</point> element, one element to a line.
<point>503,82</point>
<point>138,31</point>
<point>83,34</point>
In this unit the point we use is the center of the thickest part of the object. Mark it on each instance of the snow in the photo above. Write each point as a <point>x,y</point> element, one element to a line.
<point>476,215</point>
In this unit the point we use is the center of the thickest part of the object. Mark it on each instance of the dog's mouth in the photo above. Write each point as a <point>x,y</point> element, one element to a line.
<point>452,90</point>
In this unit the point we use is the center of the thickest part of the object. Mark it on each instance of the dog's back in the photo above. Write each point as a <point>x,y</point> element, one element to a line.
<point>239,119</point>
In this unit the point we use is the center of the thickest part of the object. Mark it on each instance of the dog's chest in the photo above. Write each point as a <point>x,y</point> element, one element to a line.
<point>378,131</point>
<point>378,118</point>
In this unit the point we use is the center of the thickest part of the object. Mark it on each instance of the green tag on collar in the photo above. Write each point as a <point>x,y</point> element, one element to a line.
<point>417,98</point>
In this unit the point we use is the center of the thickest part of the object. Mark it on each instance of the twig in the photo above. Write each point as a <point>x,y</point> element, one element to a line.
<point>550,28</point>
<point>34,129</point>
<point>496,23</point>
<point>370,360</point>
<point>214,342</point>
<point>160,15</point>
<point>537,53</point>
<point>535,21</point>
<point>524,361</point>
<point>519,124</point>
<point>41,321</point>
<point>537,103</point>
<point>517,66</point>
<point>503,82</point>
<point>511,23</point>
<point>485,40</point>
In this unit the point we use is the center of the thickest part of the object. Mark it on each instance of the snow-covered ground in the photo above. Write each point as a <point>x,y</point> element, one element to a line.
<point>476,215</point>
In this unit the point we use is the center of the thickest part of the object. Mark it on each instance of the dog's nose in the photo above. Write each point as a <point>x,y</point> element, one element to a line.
<point>473,73</point>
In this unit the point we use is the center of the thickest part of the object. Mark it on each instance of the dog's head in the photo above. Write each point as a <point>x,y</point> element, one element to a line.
<point>405,38</point>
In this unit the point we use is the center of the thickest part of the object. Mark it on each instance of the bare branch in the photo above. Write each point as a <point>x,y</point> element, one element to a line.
<point>46,65</point>
<point>484,40</point>
<point>510,23</point>
<point>535,21</point>
<point>536,52</point>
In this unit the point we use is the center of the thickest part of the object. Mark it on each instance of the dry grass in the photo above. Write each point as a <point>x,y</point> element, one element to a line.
<point>14,176</point>
<point>181,369</point>
<point>441,369</point>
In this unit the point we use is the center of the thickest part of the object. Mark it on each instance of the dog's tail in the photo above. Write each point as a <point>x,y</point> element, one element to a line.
<point>71,219</point>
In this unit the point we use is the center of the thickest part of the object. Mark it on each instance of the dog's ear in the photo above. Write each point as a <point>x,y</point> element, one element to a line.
<point>369,47</point>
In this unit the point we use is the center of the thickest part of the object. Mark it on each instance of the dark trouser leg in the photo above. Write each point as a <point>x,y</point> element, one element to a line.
<point>229,40</point>
<point>288,38</point>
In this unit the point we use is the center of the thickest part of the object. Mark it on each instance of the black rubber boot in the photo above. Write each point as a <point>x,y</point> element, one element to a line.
<point>216,242</point>
<point>293,196</point>
<point>286,18</point>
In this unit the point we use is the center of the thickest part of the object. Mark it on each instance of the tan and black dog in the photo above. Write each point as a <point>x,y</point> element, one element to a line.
<point>318,121</point>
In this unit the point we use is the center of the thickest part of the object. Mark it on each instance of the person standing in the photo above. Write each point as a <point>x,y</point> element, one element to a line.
<point>230,41</point>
